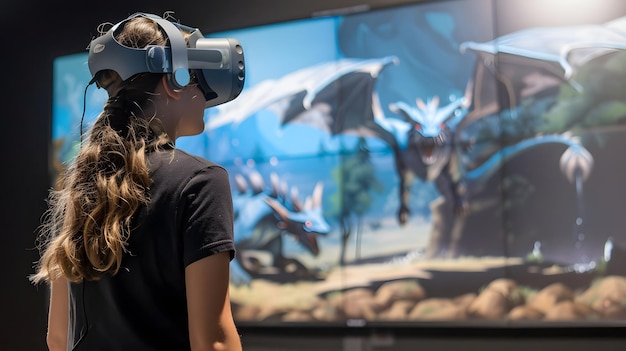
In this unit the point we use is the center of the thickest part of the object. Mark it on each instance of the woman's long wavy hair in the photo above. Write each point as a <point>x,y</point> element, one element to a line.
<point>85,230</point>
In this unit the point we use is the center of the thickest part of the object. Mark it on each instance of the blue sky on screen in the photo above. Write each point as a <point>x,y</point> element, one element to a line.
<point>274,50</point>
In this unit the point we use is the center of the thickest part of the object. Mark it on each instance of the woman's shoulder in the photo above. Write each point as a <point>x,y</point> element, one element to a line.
<point>176,174</point>
<point>179,162</point>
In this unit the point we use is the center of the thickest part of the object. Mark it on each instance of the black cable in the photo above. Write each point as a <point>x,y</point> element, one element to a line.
<point>82,118</point>
<point>76,343</point>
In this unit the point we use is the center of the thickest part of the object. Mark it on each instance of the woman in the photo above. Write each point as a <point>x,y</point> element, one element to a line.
<point>138,237</point>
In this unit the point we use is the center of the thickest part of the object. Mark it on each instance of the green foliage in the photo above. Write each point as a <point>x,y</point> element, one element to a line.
<point>356,178</point>
<point>534,258</point>
<point>608,113</point>
<point>565,114</point>
<point>526,292</point>
<point>600,102</point>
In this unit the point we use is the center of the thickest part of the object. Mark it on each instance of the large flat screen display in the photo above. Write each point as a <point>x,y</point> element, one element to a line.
<point>449,162</point>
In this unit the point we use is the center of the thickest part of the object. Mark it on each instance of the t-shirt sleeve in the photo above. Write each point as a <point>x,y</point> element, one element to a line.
<point>207,219</point>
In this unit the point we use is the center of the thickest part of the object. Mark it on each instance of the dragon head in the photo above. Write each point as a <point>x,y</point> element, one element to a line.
<point>303,222</point>
<point>431,125</point>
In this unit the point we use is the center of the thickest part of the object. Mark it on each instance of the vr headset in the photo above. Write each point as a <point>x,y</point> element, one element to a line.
<point>216,63</point>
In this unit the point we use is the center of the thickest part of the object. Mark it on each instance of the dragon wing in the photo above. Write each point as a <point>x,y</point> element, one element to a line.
<point>534,60</point>
<point>337,97</point>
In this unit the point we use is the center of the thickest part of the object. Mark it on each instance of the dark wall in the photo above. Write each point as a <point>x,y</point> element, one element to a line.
<point>32,35</point>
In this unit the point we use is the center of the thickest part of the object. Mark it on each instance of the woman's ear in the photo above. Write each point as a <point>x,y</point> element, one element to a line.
<point>169,89</point>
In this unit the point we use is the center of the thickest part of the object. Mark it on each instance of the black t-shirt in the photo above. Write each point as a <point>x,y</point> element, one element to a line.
<point>143,307</point>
